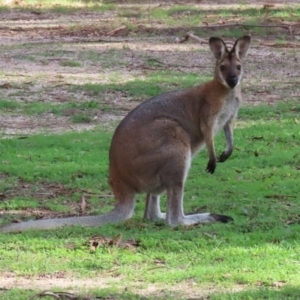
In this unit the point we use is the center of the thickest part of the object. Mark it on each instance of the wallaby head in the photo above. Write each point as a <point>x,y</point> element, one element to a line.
<point>229,70</point>
<point>153,146</point>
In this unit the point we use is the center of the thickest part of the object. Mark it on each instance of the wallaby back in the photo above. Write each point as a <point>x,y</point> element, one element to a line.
<point>152,148</point>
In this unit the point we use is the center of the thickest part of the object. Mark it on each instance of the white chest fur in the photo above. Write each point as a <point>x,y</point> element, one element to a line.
<point>229,111</point>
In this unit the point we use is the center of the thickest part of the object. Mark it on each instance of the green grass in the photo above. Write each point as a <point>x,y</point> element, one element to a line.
<point>37,108</point>
<point>138,89</point>
<point>263,293</point>
<point>256,257</point>
<point>81,118</point>
<point>257,186</point>
<point>58,6</point>
<point>156,82</point>
<point>70,63</point>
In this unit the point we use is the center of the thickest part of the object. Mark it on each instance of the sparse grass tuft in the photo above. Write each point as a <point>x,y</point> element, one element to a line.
<point>70,63</point>
<point>81,119</point>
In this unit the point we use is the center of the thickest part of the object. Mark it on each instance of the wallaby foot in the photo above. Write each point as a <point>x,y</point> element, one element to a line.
<point>194,219</point>
<point>223,157</point>
<point>175,215</point>
<point>211,166</point>
<point>152,210</point>
<point>221,218</point>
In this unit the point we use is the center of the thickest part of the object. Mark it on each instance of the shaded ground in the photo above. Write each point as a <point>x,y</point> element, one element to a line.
<point>187,290</point>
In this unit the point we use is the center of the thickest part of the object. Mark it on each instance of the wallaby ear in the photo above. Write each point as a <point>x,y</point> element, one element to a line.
<point>241,46</point>
<point>217,47</point>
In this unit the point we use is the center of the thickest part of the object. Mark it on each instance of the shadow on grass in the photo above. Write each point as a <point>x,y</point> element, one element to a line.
<point>286,293</point>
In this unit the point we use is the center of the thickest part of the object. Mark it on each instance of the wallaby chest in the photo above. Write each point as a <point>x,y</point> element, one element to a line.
<point>228,110</point>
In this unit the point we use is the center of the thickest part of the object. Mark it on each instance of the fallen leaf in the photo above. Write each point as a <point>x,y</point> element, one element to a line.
<point>116,241</point>
<point>159,262</point>
<point>96,242</point>
<point>5,86</point>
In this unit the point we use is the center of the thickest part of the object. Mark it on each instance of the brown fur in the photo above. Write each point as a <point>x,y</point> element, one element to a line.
<point>152,148</point>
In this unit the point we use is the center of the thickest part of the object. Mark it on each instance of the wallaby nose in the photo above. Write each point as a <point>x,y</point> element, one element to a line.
<point>232,81</point>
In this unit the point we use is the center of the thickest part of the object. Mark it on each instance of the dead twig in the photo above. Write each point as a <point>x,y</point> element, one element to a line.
<point>56,295</point>
<point>203,41</point>
<point>192,36</point>
<point>113,32</point>
<point>249,25</point>
<point>66,296</point>
<point>89,193</point>
<point>282,45</point>
<point>98,195</point>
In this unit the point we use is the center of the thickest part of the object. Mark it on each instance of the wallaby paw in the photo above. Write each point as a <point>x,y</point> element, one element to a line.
<point>223,157</point>
<point>222,218</point>
<point>211,166</point>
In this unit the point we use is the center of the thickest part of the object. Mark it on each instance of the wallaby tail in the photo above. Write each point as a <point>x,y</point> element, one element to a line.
<point>121,212</point>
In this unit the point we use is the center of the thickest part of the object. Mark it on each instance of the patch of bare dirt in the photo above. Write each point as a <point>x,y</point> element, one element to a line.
<point>22,125</point>
<point>185,290</point>
<point>37,47</point>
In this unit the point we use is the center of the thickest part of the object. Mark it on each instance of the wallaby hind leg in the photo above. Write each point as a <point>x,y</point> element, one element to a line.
<point>125,202</point>
<point>152,210</point>
<point>175,215</point>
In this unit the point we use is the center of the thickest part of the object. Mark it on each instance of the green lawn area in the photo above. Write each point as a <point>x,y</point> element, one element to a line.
<point>70,70</point>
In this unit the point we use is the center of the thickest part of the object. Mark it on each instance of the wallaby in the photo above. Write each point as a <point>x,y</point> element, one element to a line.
<point>152,148</point>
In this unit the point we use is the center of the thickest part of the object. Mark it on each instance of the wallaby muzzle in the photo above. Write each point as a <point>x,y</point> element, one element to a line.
<point>232,81</point>
<point>232,78</point>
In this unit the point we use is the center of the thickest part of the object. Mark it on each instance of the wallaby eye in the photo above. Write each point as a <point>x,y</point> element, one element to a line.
<point>239,67</point>
<point>222,68</point>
